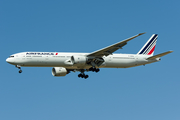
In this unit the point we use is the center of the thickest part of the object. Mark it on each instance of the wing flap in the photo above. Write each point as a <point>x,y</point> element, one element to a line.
<point>159,55</point>
<point>112,48</point>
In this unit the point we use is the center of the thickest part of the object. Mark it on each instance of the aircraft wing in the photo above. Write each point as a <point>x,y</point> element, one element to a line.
<point>159,55</point>
<point>112,48</point>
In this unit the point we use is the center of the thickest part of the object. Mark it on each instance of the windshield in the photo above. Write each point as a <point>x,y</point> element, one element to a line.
<point>11,56</point>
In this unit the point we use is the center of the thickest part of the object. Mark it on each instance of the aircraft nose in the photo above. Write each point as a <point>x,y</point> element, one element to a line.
<point>8,60</point>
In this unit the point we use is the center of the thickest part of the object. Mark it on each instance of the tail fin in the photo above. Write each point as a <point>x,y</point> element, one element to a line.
<point>148,48</point>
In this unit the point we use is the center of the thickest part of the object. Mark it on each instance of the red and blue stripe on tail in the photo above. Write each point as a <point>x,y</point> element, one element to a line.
<point>148,48</point>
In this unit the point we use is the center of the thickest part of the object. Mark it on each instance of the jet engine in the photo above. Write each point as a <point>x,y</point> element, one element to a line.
<point>59,71</point>
<point>79,60</point>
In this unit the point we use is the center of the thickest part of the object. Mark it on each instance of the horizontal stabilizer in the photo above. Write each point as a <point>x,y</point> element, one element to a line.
<point>159,55</point>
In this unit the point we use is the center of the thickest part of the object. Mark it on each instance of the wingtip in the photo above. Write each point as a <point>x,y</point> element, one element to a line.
<point>142,33</point>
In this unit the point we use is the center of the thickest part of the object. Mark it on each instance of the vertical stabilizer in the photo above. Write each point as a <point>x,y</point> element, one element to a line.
<point>148,48</point>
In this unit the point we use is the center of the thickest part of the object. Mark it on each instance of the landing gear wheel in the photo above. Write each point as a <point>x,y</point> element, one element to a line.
<point>20,71</point>
<point>93,69</point>
<point>19,67</point>
<point>86,76</point>
<point>97,70</point>
<point>83,76</point>
<point>79,75</point>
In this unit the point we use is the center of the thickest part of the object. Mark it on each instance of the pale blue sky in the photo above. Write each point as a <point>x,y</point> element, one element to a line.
<point>141,93</point>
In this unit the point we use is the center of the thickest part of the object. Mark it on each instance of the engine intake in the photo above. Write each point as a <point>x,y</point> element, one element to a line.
<point>79,60</point>
<point>59,71</point>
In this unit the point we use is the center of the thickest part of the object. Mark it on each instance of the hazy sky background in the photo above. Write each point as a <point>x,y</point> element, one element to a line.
<point>141,93</point>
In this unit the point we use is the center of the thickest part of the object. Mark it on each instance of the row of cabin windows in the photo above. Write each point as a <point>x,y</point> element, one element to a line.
<point>53,56</point>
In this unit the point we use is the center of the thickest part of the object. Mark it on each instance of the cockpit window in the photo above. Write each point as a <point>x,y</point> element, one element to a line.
<point>11,56</point>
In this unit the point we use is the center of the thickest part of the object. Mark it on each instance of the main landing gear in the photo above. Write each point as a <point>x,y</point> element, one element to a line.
<point>82,75</point>
<point>93,69</point>
<point>19,67</point>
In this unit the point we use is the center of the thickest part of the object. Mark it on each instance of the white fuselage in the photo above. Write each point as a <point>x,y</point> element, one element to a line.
<point>60,59</point>
<point>64,63</point>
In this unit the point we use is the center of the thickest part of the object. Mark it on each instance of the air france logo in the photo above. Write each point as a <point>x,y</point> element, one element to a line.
<point>39,53</point>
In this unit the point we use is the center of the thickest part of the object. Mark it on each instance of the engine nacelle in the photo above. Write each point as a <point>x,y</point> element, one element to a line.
<point>59,71</point>
<point>79,60</point>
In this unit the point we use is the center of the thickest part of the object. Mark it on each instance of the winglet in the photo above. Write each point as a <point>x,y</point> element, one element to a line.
<point>159,55</point>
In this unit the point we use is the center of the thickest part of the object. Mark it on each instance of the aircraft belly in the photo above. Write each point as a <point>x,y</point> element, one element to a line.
<point>121,63</point>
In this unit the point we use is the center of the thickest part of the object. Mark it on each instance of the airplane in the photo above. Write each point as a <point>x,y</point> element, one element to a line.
<point>63,63</point>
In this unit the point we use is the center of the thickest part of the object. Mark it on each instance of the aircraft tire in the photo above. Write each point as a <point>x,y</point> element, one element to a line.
<point>20,71</point>
<point>86,76</point>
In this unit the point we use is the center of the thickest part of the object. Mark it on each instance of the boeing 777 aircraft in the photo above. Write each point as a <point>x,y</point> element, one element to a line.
<point>64,63</point>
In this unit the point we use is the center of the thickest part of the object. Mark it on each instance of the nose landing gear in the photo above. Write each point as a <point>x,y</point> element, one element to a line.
<point>20,71</point>
<point>19,67</point>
